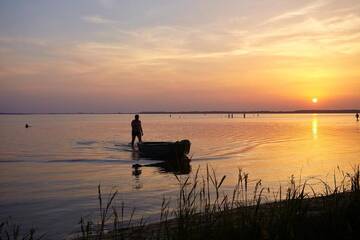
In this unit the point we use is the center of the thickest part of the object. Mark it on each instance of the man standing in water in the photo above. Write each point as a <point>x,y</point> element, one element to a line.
<point>357,116</point>
<point>136,130</point>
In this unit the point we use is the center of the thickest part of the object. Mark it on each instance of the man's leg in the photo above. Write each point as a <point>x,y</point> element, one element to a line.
<point>139,137</point>
<point>132,141</point>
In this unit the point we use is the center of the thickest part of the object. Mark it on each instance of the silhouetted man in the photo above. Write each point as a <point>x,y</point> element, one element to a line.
<point>136,130</point>
<point>357,116</point>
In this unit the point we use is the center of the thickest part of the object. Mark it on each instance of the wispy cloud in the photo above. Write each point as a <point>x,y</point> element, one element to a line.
<point>125,49</point>
<point>97,19</point>
<point>299,12</point>
<point>335,34</point>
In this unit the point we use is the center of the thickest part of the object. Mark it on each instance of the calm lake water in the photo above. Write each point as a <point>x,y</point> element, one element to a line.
<point>49,173</point>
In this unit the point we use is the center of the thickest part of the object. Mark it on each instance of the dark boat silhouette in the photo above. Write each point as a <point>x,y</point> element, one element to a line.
<point>169,151</point>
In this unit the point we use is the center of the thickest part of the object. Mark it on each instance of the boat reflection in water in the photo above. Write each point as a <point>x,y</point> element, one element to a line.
<point>164,167</point>
<point>168,157</point>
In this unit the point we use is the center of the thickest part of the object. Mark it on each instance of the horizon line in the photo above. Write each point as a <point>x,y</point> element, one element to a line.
<point>198,112</point>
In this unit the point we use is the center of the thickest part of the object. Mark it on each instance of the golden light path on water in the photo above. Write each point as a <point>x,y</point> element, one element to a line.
<point>315,126</point>
<point>49,172</point>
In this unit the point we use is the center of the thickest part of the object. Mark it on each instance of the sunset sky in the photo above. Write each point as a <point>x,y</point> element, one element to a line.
<point>129,55</point>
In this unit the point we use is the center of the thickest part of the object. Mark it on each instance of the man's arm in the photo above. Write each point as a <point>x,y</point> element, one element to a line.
<point>142,133</point>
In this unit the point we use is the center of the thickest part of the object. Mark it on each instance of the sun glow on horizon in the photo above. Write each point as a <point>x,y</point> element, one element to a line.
<point>314,99</point>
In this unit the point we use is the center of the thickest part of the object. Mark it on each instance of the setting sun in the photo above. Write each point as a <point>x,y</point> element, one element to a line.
<point>314,100</point>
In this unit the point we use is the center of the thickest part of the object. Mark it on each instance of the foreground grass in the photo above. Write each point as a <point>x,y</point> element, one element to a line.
<point>204,211</point>
<point>251,211</point>
<point>12,231</point>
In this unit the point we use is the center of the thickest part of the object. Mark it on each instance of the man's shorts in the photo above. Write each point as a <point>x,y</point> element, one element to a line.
<point>136,133</point>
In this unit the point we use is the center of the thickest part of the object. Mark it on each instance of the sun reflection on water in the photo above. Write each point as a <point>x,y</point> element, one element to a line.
<point>315,126</point>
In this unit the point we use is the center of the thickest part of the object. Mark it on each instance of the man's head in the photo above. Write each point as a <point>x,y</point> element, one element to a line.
<point>137,116</point>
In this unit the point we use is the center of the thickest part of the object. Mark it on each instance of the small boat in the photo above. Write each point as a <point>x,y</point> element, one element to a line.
<point>170,151</point>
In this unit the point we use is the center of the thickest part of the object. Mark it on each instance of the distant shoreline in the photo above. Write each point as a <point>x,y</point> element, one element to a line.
<point>310,111</point>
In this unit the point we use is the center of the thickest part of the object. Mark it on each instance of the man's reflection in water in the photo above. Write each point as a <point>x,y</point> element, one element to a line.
<point>136,171</point>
